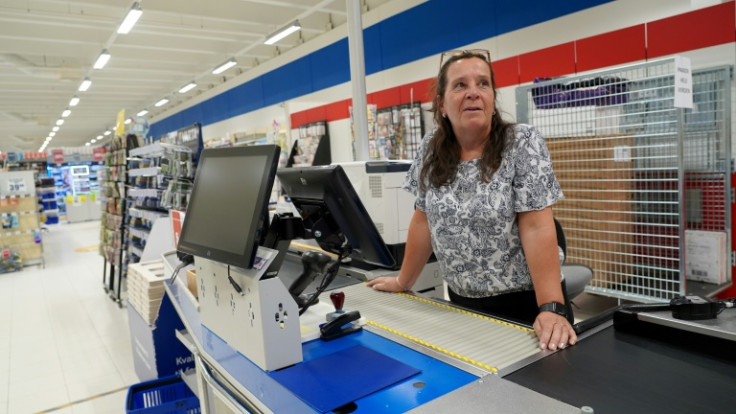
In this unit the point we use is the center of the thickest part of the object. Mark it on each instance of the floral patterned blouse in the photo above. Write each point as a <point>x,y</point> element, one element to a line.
<point>475,234</point>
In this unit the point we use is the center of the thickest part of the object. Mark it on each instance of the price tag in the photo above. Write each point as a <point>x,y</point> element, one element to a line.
<point>17,185</point>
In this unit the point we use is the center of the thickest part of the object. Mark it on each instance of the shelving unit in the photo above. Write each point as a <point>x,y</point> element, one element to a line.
<point>55,172</point>
<point>79,179</point>
<point>112,223</point>
<point>399,131</point>
<point>77,189</point>
<point>312,147</point>
<point>48,206</point>
<point>20,235</point>
<point>15,163</point>
<point>159,178</point>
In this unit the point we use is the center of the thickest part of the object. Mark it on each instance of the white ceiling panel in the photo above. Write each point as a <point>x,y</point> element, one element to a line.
<point>47,47</point>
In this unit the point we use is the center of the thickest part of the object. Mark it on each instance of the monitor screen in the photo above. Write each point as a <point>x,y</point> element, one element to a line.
<point>332,212</point>
<point>229,204</point>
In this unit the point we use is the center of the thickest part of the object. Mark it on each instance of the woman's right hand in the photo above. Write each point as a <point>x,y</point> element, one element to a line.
<point>386,284</point>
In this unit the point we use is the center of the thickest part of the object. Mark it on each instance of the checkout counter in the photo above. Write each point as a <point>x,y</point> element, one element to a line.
<point>257,351</point>
<point>431,357</point>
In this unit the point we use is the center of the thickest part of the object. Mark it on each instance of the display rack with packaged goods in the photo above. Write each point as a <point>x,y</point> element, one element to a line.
<point>112,224</point>
<point>74,171</point>
<point>20,236</point>
<point>394,132</point>
<point>48,205</point>
<point>159,179</point>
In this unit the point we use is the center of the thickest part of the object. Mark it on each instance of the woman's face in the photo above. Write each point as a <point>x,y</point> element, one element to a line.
<point>469,100</point>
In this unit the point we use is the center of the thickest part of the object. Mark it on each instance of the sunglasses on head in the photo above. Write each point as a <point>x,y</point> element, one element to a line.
<point>459,52</point>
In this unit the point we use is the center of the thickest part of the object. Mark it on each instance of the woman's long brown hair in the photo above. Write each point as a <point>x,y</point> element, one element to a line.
<point>440,162</point>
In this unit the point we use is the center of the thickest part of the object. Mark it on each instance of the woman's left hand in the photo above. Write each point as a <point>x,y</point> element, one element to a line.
<point>554,331</point>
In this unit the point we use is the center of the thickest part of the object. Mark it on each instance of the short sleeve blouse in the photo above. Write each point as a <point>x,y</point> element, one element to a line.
<point>473,226</point>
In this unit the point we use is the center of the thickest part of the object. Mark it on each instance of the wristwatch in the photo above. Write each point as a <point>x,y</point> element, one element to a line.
<point>554,307</point>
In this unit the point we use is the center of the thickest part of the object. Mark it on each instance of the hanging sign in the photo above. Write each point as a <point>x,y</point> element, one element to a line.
<point>98,153</point>
<point>58,155</point>
<point>683,83</point>
<point>120,124</point>
<point>177,221</point>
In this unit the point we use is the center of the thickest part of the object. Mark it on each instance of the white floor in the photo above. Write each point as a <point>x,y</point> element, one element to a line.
<point>64,345</point>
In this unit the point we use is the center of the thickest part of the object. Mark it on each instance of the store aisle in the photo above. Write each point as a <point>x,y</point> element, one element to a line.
<point>64,345</point>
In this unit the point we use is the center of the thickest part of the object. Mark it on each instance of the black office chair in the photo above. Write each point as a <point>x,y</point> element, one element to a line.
<point>575,276</point>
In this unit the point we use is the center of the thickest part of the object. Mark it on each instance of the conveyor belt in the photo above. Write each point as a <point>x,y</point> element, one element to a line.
<point>486,343</point>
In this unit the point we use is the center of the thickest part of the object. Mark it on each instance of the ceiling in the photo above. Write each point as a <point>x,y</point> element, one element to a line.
<point>47,47</point>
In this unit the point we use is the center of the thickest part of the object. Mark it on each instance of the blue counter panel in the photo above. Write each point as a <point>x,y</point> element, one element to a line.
<point>337,379</point>
<point>435,379</point>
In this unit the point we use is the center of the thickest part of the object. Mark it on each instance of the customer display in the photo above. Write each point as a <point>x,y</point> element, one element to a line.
<point>333,214</point>
<point>229,204</point>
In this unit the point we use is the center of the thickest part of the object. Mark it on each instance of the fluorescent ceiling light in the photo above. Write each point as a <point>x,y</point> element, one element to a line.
<point>107,133</point>
<point>93,140</point>
<point>102,59</point>
<point>188,87</point>
<point>52,134</point>
<point>283,32</point>
<point>86,83</point>
<point>59,122</point>
<point>127,121</point>
<point>225,66</point>
<point>74,101</point>
<point>87,144</point>
<point>143,112</point>
<point>162,102</point>
<point>99,137</point>
<point>130,19</point>
<point>56,128</point>
<point>48,139</point>
<point>66,113</point>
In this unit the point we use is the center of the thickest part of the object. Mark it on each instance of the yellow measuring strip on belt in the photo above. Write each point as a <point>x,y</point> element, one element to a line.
<point>443,350</point>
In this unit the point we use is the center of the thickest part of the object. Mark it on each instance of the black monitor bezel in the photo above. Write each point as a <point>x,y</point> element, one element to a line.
<point>330,187</point>
<point>245,258</point>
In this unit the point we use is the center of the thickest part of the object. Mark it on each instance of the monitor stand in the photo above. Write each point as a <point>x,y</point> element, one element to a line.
<point>258,318</point>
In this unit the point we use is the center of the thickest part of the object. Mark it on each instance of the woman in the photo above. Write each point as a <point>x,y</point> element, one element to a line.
<point>484,189</point>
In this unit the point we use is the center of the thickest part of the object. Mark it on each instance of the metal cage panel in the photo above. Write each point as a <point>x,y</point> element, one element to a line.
<point>636,171</point>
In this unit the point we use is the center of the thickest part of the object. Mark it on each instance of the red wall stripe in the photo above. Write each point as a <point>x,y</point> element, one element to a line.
<point>415,91</point>
<point>694,30</point>
<point>384,98</point>
<point>336,110</point>
<point>506,72</point>
<point>612,48</point>
<point>702,28</point>
<point>552,61</point>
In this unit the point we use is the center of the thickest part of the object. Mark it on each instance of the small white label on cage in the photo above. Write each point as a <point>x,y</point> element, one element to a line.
<point>683,83</point>
<point>622,153</point>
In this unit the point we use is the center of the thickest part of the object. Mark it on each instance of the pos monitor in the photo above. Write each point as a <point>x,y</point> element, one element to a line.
<point>333,214</point>
<point>228,208</point>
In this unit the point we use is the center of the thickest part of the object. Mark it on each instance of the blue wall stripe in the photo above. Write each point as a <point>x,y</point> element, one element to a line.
<point>425,30</point>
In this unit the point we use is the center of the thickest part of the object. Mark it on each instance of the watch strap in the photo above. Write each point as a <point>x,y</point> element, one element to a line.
<point>554,307</point>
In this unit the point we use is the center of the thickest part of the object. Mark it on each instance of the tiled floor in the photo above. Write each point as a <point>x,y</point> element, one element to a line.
<point>64,345</point>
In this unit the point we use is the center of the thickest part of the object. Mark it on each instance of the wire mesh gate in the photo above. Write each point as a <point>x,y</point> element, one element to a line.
<point>639,175</point>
